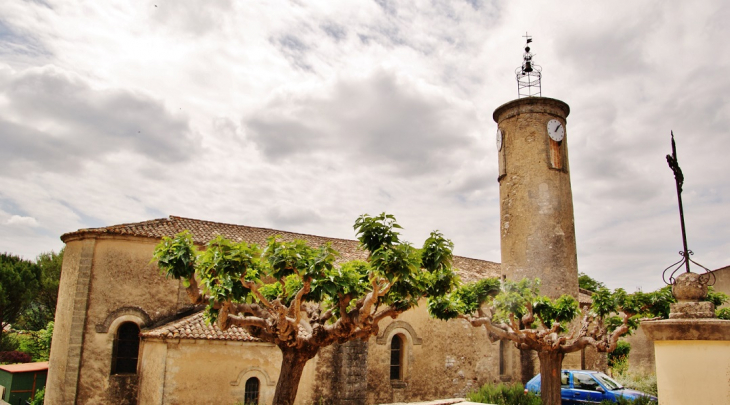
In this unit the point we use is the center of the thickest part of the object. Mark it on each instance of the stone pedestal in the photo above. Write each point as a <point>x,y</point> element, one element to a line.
<point>692,348</point>
<point>692,360</point>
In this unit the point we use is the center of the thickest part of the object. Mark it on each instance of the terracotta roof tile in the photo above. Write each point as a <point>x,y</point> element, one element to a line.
<point>195,327</point>
<point>203,231</point>
<point>584,296</point>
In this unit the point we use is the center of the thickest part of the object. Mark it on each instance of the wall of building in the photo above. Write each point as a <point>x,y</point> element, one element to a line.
<point>722,282</point>
<point>124,286</point>
<point>190,371</point>
<point>443,359</point>
<point>105,281</point>
<point>64,362</point>
<point>536,205</point>
<point>641,356</point>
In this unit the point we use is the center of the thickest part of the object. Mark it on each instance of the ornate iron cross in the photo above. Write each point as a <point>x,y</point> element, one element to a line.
<point>686,253</point>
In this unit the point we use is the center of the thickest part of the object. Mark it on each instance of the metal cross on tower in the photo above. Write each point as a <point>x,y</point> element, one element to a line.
<point>529,76</point>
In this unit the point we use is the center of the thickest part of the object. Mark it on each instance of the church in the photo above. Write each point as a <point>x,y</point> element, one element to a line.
<point>125,334</point>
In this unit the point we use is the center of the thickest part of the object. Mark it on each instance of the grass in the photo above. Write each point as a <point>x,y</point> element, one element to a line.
<point>636,381</point>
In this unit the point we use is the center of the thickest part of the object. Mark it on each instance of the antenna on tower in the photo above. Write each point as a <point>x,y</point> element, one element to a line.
<point>529,75</point>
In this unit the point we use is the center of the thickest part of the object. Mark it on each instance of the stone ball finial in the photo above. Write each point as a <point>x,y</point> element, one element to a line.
<point>690,287</point>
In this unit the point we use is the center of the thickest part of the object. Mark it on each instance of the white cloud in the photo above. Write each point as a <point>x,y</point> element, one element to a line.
<point>17,220</point>
<point>305,115</point>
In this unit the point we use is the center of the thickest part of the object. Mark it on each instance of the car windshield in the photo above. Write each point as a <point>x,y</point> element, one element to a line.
<point>608,381</point>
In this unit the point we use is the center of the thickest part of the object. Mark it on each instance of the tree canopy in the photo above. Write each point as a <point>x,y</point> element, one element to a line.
<point>300,297</point>
<point>19,282</point>
<point>589,283</point>
<point>515,311</point>
<point>42,307</point>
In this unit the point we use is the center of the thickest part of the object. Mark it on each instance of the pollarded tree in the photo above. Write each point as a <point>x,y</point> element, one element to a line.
<point>514,311</point>
<point>298,298</point>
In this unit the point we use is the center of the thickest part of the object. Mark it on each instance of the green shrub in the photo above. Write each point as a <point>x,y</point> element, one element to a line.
<point>620,366</point>
<point>39,397</point>
<point>36,343</point>
<point>620,353</point>
<point>14,357</point>
<point>723,313</point>
<point>504,394</point>
<point>9,342</point>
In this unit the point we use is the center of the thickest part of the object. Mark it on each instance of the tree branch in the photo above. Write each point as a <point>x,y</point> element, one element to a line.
<point>325,316</point>
<point>384,313</point>
<point>247,321</point>
<point>297,304</point>
<point>370,299</point>
<point>254,289</point>
<point>193,291</point>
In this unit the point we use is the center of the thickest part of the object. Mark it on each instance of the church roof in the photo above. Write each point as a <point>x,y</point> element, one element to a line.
<point>196,327</point>
<point>584,296</point>
<point>204,231</point>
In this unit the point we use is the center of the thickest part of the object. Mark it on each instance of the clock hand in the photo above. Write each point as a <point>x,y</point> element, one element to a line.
<point>557,128</point>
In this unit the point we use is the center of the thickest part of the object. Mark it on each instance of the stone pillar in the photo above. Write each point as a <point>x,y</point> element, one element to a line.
<point>351,373</point>
<point>536,203</point>
<point>68,334</point>
<point>692,348</point>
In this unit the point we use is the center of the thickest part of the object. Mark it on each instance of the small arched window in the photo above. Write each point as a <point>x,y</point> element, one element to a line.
<point>251,394</point>
<point>126,349</point>
<point>396,358</point>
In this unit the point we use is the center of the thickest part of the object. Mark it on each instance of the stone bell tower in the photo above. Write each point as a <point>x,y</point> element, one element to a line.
<point>536,203</point>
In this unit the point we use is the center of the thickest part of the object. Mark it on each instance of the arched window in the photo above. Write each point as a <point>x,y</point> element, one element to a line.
<point>396,358</point>
<point>251,394</point>
<point>126,349</point>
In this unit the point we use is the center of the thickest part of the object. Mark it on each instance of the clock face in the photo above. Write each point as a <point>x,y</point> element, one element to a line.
<point>500,137</point>
<point>555,130</point>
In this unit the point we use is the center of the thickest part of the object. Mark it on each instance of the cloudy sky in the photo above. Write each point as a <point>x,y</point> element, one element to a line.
<point>302,115</point>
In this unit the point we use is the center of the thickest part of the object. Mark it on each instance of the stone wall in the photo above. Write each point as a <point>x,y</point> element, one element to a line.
<point>641,356</point>
<point>442,359</point>
<point>722,283</point>
<point>536,203</point>
<point>350,372</point>
<point>180,371</point>
<point>63,368</point>
<point>124,287</point>
<point>105,281</point>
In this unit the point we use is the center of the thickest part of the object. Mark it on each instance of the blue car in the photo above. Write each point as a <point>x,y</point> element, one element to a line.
<point>588,387</point>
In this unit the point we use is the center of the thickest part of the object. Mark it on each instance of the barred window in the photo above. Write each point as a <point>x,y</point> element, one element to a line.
<point>396,358</point>
<point>251,394</point>
<point>126,349</point>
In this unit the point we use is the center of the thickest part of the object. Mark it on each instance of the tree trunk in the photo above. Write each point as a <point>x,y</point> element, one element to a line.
<point>551,363</point>
<point>292,365</point>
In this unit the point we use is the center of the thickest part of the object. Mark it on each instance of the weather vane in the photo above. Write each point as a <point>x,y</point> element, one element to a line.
<point>529,75</point>
<point>686,253</point>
